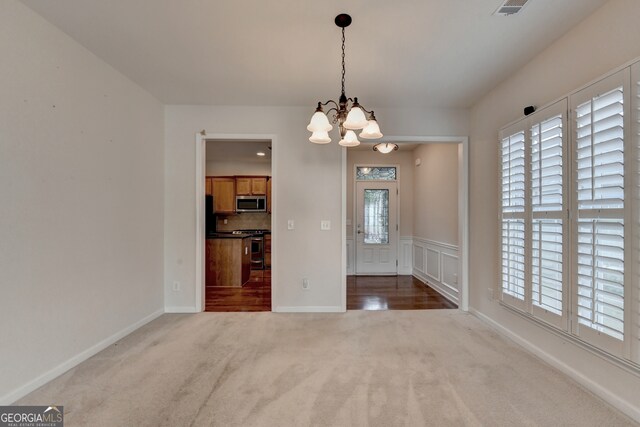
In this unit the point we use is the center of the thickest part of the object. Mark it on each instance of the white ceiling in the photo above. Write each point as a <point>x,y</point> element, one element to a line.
<point>442,53</point>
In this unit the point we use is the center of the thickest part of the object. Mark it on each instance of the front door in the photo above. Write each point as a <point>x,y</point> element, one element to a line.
<point>376,228</point>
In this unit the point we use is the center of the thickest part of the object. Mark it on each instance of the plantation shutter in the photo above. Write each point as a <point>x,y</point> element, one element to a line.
<point>635,126</point>
<point>513,178</point>
<point>570,214</point>
<point>599,177</point>
<point>548,153</point>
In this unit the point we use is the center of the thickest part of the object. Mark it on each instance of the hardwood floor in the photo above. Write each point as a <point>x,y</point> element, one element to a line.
<point>255,295</point>
<point>392,293</point>
<point>363,293</point>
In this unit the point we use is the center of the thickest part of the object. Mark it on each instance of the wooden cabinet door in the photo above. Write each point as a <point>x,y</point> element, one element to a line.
<point>208,186</point>
<point>259,186</point>
<point>246,260</point>
<point>224,194</point>
<point>269,194</point>
<point>243,186</point>
<point>267,250</point>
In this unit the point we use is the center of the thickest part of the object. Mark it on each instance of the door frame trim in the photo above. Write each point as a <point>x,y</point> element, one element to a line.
<point>355,211</point>
<point>463,209</point>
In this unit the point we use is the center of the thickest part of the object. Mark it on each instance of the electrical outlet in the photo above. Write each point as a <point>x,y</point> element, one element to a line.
<point>290,225</point>
<point>176,286</point>
<point>325,225</point>
<point>225,221</point>
<point>305,284</point>
<point>455,279</point>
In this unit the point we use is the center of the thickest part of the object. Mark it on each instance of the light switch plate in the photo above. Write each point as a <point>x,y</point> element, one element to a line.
<point>325,225</point>
<point>290,225</point>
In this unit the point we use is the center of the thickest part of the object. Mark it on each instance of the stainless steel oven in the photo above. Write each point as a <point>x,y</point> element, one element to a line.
<point>257,247</point>
<point>257,252</point>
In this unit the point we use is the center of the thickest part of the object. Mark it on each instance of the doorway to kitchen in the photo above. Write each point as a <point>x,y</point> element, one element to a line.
<point>406,225</point>
<point>236,244</point>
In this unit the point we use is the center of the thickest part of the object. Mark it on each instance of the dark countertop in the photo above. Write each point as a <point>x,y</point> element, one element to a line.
<point>227,236</point>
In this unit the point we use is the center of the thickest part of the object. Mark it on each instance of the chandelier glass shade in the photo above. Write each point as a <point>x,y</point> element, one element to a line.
<point>347,113</point>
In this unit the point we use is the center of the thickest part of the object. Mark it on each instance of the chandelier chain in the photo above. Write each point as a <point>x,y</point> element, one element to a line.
<point>343,68</point>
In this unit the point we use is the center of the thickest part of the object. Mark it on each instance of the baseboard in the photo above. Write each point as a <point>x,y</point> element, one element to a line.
<point>310,309</point>
<point>181,310</point>
<point>41,380</point>
<point>436,286</point>
<point>622,405</point>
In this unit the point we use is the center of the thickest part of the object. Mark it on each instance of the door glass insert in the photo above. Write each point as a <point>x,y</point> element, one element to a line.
<point>375,173</point>
<point>376,216</point>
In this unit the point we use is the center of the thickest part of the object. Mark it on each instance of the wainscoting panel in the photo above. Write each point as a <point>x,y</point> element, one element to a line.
<point>433,264</point>
<point>438,265</point>
<point>351,252</point>
<point>405,257</point>
<point>418,258</point>
<point>450,270</point>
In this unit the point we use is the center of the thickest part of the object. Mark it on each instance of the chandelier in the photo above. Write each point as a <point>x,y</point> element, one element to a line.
<point>349,118</point>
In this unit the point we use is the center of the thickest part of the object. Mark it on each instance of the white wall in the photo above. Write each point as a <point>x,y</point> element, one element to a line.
<point>436,193</point>
<point>307,188</point>
<point>237,168</point>
<point>605,40</point>
<point>435,243</point>
<point>404,159</point>
<point>81,185</point>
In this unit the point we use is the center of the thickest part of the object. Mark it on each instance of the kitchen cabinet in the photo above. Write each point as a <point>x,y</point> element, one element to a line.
<point>269,195</point>
<point>267,250</point>
<point>224,194</point>
<point>208,186</point>
<point>251,186</point>
<point>259,186</point>
<point>228,261</point>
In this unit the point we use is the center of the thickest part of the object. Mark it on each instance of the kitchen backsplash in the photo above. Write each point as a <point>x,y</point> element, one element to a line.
<point>245,221</point>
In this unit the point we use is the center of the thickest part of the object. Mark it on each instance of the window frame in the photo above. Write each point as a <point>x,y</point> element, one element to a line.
<point>634,273</point>
<point>626,351</point>
<point>525,125</point>
<point>509,132</point>
<point>592,336</point>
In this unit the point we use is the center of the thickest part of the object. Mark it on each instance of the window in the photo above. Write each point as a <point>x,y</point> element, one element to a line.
<point>599,205</point>
<point>570,229</point>
<point>533,212</point>
<point>376,216</point>
<point>375,173</point>
<point>513,216</point>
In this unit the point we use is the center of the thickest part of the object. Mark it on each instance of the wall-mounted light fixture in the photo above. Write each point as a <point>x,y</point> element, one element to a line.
<point>385,147</point>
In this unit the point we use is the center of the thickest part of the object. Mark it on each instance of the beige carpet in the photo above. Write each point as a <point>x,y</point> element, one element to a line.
<point>400,368</point>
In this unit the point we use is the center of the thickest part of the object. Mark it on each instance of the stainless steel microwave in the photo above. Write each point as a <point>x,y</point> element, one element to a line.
<point>251,204</point>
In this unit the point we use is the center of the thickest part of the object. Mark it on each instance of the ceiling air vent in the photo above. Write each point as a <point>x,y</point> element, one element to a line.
<point>510,7</point>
